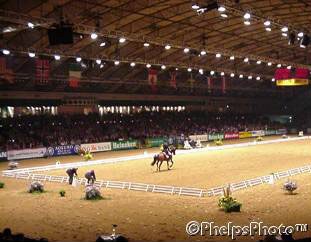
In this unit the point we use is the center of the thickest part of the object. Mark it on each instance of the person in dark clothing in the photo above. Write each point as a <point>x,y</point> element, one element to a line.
<point>166,150</point>
<point>90,176</point>
<point>71,172</point>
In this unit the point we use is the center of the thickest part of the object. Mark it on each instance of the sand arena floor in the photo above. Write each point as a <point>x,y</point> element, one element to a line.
<point>159,217</point>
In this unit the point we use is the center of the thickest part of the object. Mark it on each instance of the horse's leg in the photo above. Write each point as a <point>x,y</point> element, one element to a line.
<point>161,161</point>
<point>168,166</point>
<point>172,162</point>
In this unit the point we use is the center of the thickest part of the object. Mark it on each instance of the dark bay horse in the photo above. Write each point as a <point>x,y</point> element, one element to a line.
<point>159,158</point>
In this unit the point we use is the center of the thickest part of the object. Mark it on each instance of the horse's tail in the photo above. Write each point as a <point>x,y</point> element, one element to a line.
<point>154,160</point>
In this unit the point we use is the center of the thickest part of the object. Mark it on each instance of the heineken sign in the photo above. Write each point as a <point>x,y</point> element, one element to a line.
<point>124,145</point>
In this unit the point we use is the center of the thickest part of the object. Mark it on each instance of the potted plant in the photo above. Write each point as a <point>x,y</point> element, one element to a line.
<point>36,187</point>
<point>290,186</point>
<point>62,193</point>
<point>218,142</point>
<point>228,203</point>
<point>1,184</point>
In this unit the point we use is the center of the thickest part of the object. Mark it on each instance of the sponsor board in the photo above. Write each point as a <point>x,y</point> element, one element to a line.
<point>63,150</point>
<point>215,136</point>
<point>26,153</point>
<point>281,131</point>
<point>201,137</point>
<point>257,133</point>
<point>270,132</point>
<point>96,147</point>
<point>232,135</point>
<point>245,134</point>
<point>124,145</point>
<point>155,142</point>
<point>3,155</point>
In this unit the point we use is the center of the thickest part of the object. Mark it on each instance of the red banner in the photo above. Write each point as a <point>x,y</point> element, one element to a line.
<point>5,72</point>
<point>173,79</point>
<point>282,73</point>
<point>302,73</point>
<point>153,79</point>
<point>231,135</point>
<point>42,71</point>
<point>209,83</point>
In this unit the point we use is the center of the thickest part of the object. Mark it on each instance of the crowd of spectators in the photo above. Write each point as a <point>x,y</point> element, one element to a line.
<point>48,130</point>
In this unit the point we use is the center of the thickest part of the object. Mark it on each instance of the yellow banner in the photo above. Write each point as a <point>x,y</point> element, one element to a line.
<point>292,82</point>
<point>243,135</point>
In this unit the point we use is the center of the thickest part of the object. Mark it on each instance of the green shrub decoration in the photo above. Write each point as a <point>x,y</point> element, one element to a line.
<point>62,193</point>
<point>259,138</point>
<point>228,203</point>
<point>219,142</point>
<point>1,184</point>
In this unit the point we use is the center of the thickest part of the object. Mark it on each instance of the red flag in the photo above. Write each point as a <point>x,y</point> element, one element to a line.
<point>74,75</point>
<point>223,85</point>
<point>209,83</point>
<point>42,71</point>
<point>152,79</point>
<point>302,73</point>
<point>5,73</point>
<point>282,73</point>
<point>173,79</point>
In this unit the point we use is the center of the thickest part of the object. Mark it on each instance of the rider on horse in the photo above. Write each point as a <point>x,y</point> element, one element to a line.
<point>166,151</point>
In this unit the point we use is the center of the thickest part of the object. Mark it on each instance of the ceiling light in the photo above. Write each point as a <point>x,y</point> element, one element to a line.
<point>247,22</point>
<point>195,6</point>
<point>94,36</point>
<point>218,55</point>
<point>212,72</point>
<point>232,57</point>
<point>30,25</point>
<point>269,64</point>
<point>300,34</point>
<point>201,71</point>
<point>258,62</point>
<point>273,79</point>
<point>224,15</point>
<point>289,67</point>
<point>148,65</point>
<point>116,62</point>
<point>250,77</point>
<point>221,9</point>
<point>268,29</point>
<point>279,65</point>
<point>240,76</point>
<point>31,54</point>
<point>176,69</point>
<point>56,57</point>
<point>267,23</point>
<point>102,44</point>
<point>247,16</point>
<point>284,29</point>
<point>258,78</point>
<point>146,44</point>
<point>122,40</point>
<point>163,67</point>
<point>222,73</point>
<point>203,52</point>
<point>167,47</point>
<point>246,59</point>
<point>189,69</point>
<point>101,66</point>
<point>98,61</point>
<point>132,64</point>
<point>6,52</point>
<point>186,50</point>
<point>232,74</point>
<point>78,59</point>
<point>284,34</point>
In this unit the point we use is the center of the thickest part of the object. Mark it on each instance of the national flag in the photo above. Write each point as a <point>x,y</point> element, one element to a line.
<point>209,83</point>
<point>42,71</point>
<point>5,72</point>
<point>74,75</point>
<point>223,85</point>
<point>282,73</point>
<point>153,79</point>
<point>173,79</point>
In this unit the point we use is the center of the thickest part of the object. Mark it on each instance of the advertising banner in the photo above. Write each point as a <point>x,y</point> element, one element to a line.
<point>215,136</point>
<point>3,155</point>
<point>281,131</point>
<point>270,132</point>
<point>124,145</point>
<point>26,153</point>
<point>201,137</point>
<point>154,142</point>
<point>257,133</point>
<point>96,147</point>
<point>63,150</point>
<point>232,135</point>
<point>245,134</point>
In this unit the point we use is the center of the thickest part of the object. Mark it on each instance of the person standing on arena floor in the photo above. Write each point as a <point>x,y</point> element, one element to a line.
<point>72,172</point>
<point>90,176</point>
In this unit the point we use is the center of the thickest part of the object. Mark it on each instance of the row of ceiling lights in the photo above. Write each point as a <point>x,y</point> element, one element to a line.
<point>303,38</point>
<point>133,64</point>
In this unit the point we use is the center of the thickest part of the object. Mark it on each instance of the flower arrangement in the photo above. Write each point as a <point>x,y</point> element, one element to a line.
<point>259,138</point>
<point>2,184</point>
<point>62,193</point>
<point>92,193</point>
<point>284,136</point>
<point>88,156</point>
<point>228,203</point>
<point>12,165</point>
<point>219,142</point>
<point>36,187</point>
<point>290,186</point>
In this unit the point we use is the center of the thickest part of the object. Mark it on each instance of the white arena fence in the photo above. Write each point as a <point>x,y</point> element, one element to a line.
<point>185,191</point>
<point>144,156</point>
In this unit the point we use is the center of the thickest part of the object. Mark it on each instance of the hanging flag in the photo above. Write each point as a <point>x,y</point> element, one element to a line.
<point>302,73</point>
<point>282,73</point>
<point>42,71</point>
<point>223,85</point>
<point>173,79</point>
<point>74,75</point>
<point>5,73</point>
<point>209,83</point>
<point>153,79</point>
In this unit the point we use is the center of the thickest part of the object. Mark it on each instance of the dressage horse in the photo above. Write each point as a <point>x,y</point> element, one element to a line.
<point>159,158</point>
